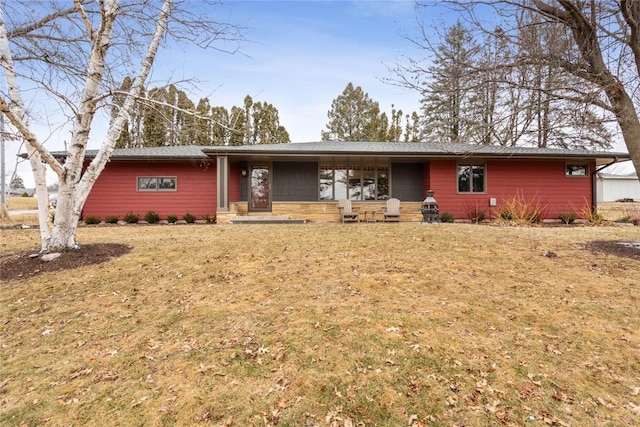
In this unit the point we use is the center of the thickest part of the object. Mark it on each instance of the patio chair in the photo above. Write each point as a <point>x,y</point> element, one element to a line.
<point>347,213</point>
<point>392,211</point>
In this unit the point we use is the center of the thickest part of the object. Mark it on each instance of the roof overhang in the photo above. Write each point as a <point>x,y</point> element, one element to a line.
<point>353,151</point>
<point>404,151</point>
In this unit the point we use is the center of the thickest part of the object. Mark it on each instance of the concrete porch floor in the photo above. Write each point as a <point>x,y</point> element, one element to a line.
<point>271,219</point>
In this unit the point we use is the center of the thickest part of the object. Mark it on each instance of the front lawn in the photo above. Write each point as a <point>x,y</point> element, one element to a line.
<point>326,325</point>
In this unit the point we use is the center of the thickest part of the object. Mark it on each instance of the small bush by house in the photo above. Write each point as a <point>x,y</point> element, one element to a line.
<point>92,220</point>
<point>189,219</point>
<point>152,217</point>
<point>131,218</point>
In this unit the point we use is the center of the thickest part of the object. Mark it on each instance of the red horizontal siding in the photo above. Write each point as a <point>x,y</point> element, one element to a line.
<point>541,181</point>
<point>115,191</point>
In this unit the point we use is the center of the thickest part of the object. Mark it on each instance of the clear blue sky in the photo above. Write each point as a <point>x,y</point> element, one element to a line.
<point>300,55</point>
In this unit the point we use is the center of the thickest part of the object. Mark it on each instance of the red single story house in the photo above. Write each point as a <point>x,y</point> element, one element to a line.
<point>306,180</point>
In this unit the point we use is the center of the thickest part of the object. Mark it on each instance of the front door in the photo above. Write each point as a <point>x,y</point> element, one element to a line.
<point>260,191</point>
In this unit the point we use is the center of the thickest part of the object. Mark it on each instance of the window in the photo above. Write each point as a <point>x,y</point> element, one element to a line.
<point>581,169</point>
<point>355,182</point>
<point>157,183</point>
<point>471,178</point>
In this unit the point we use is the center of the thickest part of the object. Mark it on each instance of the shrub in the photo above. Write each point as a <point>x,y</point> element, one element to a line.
<point>520,209</point>
<point>189,219</point>
<point>111,219</point>
<point>92,220</point>
<point>211,219</point>
<point>567,218</point>
<point>507,215</point>
<point>25,194</point>
<point>633,214</point>
<point>131,218</point>
<point>593,217</point>
<point>590,215</point>
<point>474,212</point>
<point>152,217</point>
<point>172,219</point>
<point>447,217</point>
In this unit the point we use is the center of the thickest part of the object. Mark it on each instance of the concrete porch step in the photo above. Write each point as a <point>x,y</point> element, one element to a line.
<point>266,220</point>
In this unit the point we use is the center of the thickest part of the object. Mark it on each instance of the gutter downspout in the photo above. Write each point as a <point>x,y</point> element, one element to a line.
<point>594,188</point>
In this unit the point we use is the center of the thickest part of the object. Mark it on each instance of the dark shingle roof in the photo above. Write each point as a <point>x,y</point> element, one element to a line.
<point>410,148</point>
<point>176,152</point>
<point>191,152</point>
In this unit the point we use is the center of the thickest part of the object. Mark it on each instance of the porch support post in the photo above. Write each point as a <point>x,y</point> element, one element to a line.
<point>223,183</point>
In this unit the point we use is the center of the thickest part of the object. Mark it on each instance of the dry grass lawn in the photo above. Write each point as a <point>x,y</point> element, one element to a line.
<point>326,325</point>
<point>614,211</point>
<point>18,203</point>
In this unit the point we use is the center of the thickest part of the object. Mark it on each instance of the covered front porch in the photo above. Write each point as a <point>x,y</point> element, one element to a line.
<point>308,187</point>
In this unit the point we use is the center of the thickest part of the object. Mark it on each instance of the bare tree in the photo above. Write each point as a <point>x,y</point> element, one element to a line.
<point>599,68</point>
<point>517,97</point>
<point>606,35</point>
<point>74,57</point>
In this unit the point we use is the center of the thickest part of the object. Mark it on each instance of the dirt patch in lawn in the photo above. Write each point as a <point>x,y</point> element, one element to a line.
<point>616,247</point>
<point>22,266</point>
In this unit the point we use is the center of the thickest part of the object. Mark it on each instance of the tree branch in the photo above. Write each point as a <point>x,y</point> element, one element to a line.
<point>631,12</point>
<point>85,19</point>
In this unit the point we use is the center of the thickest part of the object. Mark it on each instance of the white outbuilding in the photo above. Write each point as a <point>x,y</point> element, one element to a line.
<point>611,188</point>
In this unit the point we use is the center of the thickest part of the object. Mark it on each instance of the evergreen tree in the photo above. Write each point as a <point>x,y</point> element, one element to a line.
<point>203,125</point>
<point>185,120</point>
<point>220,126</point>
<point>354,117</point>
<point>395,130</point>
<point>127,137</point>
<point>248,130</point>
<point>167,116</point>
<point>237,126</point>
<point>16,182</point>
<point>517,87</point>
<point>449,98</point>
<point>155,122</point>
<point>266,125</point>
<point>412,128</point>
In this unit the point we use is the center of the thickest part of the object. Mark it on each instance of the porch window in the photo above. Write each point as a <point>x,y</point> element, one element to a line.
<point>157,183</point>
<point>355,182</point>
<point>575,169</point>
<point>471,178</point>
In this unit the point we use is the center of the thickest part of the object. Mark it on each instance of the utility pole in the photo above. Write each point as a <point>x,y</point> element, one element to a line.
<point>3,201</point>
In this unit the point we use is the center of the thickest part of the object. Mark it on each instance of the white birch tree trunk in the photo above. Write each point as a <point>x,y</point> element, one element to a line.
<point>74,184</point>
<point>16,113</point>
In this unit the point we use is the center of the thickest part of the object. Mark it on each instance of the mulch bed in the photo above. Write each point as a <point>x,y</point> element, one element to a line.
<point>20,266</point>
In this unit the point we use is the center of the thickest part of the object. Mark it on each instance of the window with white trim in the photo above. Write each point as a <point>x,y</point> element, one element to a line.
<point>157,183</point>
